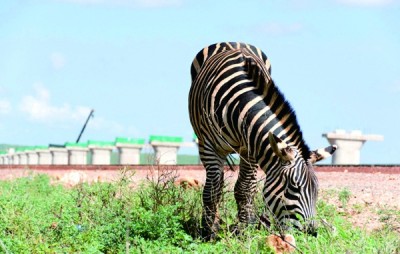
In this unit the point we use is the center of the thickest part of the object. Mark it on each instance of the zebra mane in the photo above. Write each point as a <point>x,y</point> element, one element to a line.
<point>287,110</point>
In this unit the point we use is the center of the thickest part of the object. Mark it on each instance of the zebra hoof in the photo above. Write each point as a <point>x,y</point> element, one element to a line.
<point>312,233</point>
<point>234,230</point>
<point>237,229</point>
<point>207,235</point>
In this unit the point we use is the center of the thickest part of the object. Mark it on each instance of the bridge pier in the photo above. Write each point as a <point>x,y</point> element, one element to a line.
<point>349,145</point>
<point>77,153</point>
<point>3,157</point>
<point>59,156</point>
<point>129,150</point>
<point>44,155</point>
<point>166,149</point>
<point>33,157</point>
<point>100,152</point>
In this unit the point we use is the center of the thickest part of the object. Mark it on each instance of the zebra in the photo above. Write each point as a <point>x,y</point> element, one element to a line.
<point>235,107</point>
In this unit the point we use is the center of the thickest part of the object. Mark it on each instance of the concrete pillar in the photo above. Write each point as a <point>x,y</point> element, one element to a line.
<point>23,158</point>
<point>33,157</point>
<point>10,156</point>
<point>10,159</point>
<point>44,155</point>
<point>166,149</point>
<point>100,152</point>
<point>349,145</point>
<point>59,155</point>
<point>6,159</point>
<point>77,153</point>
<point>129,150</point>
<point>15,158</point>
<point>196,140</point>
<point>3,155</point>
<point>22,153</point>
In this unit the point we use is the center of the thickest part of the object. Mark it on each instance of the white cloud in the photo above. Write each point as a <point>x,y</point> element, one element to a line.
<point>5,106</point>
<point>38,107</point>
<point>367,2</point>
<point>281,29</point>
<point>129,3</point>
<point>57,60</point>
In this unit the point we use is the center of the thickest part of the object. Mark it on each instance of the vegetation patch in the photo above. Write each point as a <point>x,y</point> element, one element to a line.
<point>159,216</point>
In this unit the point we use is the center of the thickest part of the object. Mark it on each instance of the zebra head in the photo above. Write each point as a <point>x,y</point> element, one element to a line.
<point>291,186</point>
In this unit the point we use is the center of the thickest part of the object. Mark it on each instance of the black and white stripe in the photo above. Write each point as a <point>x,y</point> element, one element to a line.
<point>235,107</point>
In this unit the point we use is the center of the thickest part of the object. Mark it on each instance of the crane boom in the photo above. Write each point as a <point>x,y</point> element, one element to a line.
<point>84,126</point>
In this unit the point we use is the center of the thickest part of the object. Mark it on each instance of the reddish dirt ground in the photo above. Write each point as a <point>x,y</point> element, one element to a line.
<point>368,188</point>
<point>373,198</point>
<point>373,193</point>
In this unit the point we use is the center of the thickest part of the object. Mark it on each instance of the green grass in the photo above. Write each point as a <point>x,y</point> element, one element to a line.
<point>157,217</point>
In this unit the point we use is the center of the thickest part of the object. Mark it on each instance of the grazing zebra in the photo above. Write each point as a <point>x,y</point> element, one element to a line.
<point>235,107</point>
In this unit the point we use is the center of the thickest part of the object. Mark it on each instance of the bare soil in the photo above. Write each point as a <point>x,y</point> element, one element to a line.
<point>370,201</point>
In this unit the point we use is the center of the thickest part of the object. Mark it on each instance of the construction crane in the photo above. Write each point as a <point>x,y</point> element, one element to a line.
<point>84,126</point>
<point>80,134</point>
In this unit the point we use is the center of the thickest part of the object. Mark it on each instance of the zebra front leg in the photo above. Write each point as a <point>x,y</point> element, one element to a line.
<point>245,189</point>
<point>211,196</point>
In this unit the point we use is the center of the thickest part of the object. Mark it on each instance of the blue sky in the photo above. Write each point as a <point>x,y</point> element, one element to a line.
<point>336,61</point>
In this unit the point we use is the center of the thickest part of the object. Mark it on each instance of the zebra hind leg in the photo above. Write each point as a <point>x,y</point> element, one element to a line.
<point>245,189</point>
<point>212,193</point>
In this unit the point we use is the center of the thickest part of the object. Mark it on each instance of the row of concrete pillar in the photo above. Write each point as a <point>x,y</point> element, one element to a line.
<point>165,148</point>
<point>94,152</point>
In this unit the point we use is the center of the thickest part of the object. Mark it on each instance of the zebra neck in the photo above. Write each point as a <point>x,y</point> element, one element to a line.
<point>270,111</point>
<point>261,148</point>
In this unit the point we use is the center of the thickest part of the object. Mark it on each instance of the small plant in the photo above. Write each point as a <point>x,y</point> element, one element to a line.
<point>358,208</point>
<point>390,217</point>
<point>178,206</point>
<point>344,197</point>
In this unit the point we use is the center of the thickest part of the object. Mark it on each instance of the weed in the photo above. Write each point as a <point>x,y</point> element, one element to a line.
<point>344,197</point>
<point>358,208</point>
<point>390,217</point>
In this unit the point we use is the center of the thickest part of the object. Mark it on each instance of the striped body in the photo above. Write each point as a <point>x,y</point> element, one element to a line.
<point>234,97</point>
<point>235,107</point>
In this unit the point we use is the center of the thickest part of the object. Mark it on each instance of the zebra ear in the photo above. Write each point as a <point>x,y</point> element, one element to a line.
<point>280,148</point>
<point>322,153</point>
